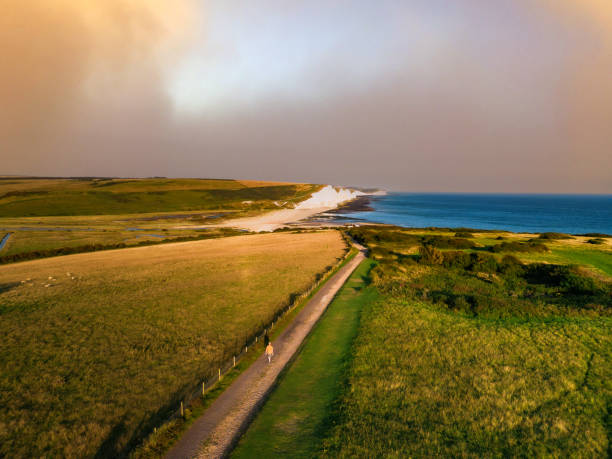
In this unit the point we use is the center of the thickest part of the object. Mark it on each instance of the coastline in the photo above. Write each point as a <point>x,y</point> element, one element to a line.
<point>311,212</point>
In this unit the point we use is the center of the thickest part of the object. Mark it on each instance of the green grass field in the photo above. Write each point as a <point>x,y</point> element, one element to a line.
<point>470,353</point>
<point>54,197</point>
<point>426,382</point>
<point>98,347</point>
<point>293,420</point>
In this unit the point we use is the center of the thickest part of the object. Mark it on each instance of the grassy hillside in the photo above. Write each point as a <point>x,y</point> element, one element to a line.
<point>97,347</point>
<point>470,352</point>
<point>54,197</point>
<point>47,217</point>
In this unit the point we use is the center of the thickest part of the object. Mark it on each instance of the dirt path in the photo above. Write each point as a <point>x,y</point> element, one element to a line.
<point>215,433</point>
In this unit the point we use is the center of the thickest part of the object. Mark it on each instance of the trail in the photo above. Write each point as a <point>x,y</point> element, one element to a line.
<point>215,433</point>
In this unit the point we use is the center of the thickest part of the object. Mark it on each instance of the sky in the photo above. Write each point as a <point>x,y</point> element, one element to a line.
<point>411,95</point>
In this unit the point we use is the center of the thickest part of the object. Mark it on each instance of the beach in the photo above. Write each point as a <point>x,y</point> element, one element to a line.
<point>324,200</point>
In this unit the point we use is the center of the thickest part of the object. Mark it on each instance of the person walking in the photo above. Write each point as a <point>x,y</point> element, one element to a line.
<point>269,351</point>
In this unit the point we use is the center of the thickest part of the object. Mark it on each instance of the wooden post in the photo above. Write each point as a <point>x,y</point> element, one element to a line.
<point>219,374</point>
<point>234,360</point>
<point>256,339</point>
<point>246,348</point>
<point>182,410</point>
<point>203,388</point>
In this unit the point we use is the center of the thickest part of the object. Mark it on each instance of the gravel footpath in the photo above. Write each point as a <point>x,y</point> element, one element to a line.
<point>214,434</point>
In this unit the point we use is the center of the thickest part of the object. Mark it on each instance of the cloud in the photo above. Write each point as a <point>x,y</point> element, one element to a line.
<point>63,59</point>
<point>422,95</point>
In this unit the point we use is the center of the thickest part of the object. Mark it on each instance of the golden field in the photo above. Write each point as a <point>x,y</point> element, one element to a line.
<point>98,347</point>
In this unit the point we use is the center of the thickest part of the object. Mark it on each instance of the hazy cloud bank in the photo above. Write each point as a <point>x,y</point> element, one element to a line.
<point>515,96</point>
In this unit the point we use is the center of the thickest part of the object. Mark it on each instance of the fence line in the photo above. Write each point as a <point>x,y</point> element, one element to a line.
<point>228,362</point>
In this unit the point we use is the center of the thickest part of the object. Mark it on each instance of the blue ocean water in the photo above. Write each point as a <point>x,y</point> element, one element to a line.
<point>574,214</point>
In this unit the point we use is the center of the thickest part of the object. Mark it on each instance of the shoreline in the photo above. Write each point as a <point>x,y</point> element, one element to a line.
<point>329,200</point>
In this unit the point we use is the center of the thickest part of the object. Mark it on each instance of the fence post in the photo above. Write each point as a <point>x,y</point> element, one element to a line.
<point>256,339</point>
<point>203,387</point>
<point>234,360</point>
<point>219,374</point>
<point>182,410</point>
<point>246,348</point>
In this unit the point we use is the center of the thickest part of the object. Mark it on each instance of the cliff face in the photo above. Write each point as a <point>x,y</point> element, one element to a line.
<point>328,197</point>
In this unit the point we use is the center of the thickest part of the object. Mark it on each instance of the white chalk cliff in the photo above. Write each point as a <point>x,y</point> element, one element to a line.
<point>328,197</point>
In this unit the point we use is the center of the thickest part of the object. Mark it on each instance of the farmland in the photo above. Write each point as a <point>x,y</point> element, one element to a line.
<point>47,217</point>
<point>98,347</point>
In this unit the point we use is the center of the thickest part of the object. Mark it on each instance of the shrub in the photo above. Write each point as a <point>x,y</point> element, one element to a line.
<point>430,255</point>
<point>530,247</point>
<point>552,236</point>
<point>511,266</point>
<point>568,278</point>
<point>464,234</point>
<point>579,285</point>
<point>481,262</point>
<point>596,241</point>
<point>457,260</point>
<point>445,242</point>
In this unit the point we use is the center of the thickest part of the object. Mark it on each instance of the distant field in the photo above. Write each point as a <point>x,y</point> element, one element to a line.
<point>56,197</point>
<point>97,347</point>
<point>44,216</point>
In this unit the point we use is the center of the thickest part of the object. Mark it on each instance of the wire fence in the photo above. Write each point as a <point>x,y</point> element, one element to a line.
<point>231,359</point>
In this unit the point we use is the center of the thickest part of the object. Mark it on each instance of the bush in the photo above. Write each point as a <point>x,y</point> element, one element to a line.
<point>511,266</point>
<point>596,241</point>
<point>445,242</point>
<point>481,262</point>
<point>568,278</point>
<point>463,234</point>
<point>580,285</point>
<point>431,256</point>
<point>552,236</point>
<point>530,247</point>
<point>457,260</point>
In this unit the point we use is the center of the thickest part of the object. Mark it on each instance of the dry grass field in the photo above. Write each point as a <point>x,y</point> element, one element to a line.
<point>97,347</point>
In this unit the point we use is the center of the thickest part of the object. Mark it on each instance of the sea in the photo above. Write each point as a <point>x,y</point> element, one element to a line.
<point>532,213</point>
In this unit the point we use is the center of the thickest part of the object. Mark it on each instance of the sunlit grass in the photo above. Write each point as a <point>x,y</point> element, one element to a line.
<point>430,383</point>
<point>485,359</point>
<point>28,197</point>
<point>98,347</point>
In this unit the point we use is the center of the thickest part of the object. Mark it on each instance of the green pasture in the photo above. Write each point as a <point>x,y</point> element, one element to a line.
<point>54,197</point>
<point>425,382</point>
